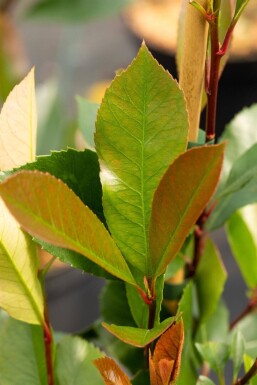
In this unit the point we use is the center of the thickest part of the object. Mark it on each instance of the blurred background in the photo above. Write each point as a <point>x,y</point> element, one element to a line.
<point>76,48</point>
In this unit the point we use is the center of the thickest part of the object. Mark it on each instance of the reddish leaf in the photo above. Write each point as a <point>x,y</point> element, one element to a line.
<point>165,362</point>
<point>111,372</point>
<point>180,198</point>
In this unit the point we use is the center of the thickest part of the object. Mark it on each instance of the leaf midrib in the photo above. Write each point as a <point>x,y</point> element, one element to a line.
<point>78,245</point>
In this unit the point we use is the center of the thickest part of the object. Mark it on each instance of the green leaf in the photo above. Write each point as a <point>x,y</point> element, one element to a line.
<point>243,242</point>
<point>237,352</point>
<point>240,188</point>
<point>180,198</point>
<point>73,364</point>
<point>87,113</point>
<point>114,305</point>
<point>75,11</point>
<point>188,374</point>
<point>247,327</point>
<point>216,328</point>
<point>20,291</point>
<point>141,129</point>
<point>202,380</point>
<point>141,378</point>
<point>215,353</point>
<point>136,336</point>
<point>209,290</point>
<point>240,134</point>
<point>49,210</point>
<point>55,131</point>
<point>19,363</point>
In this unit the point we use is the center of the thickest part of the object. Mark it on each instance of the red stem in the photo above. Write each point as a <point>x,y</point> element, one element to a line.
<point>48,340</point>
<point>252,306</point>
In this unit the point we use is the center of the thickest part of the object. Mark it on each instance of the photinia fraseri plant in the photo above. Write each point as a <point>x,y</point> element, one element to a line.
<point>138,210</point>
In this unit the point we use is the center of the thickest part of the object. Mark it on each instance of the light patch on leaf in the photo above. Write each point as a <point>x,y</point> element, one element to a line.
<point>111,372</point>
<point>18,124</point>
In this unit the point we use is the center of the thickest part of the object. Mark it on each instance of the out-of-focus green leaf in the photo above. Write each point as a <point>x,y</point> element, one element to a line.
<point>247,327</point>
<point>136,336</point>
<point>240,188</point>
<point>75,11</point>
<point>21,359</point>
<point>216,328</point>
<point>202,380</point>
<point>20,290</point>
<point>243,242</point>
<point>55,131</point>
<point>215,353</point>
<point>114,305</point>
<point>209,290</point>
<point>240,134</point>
<point>49,210</point>
<point>141,129</point>
<point>237,352</point>
<point>141,378</point>
<point>87,113</point>
<point>188,375</point>
<point>180,198</point>
<point>73,363</point>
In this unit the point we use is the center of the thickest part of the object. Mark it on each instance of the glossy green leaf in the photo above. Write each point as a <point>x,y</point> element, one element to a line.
<point>240,188</point>
<point>141,129</point>
<point>237,352</point>
<point>209,290</point>
<point>202,380</point>
<point>76,11</point>
<point>21,361</point>
<point>215,353</point>
<point>180,198</point>
<point>114,305</point>
<point>49,210</point>
<point>20,291</point>
<point>87,113</point>
<point>136,336</point>
<point>240,134</point>
<point>243,242</point>
<point>73,363</point>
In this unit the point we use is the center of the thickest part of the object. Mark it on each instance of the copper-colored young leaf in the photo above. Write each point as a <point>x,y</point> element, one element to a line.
<point>180,198</point>
<point>111,372</point>
<point>18,123</point>
<point>136,336</point>
<point>50,211</point>
<point>165,362</point>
